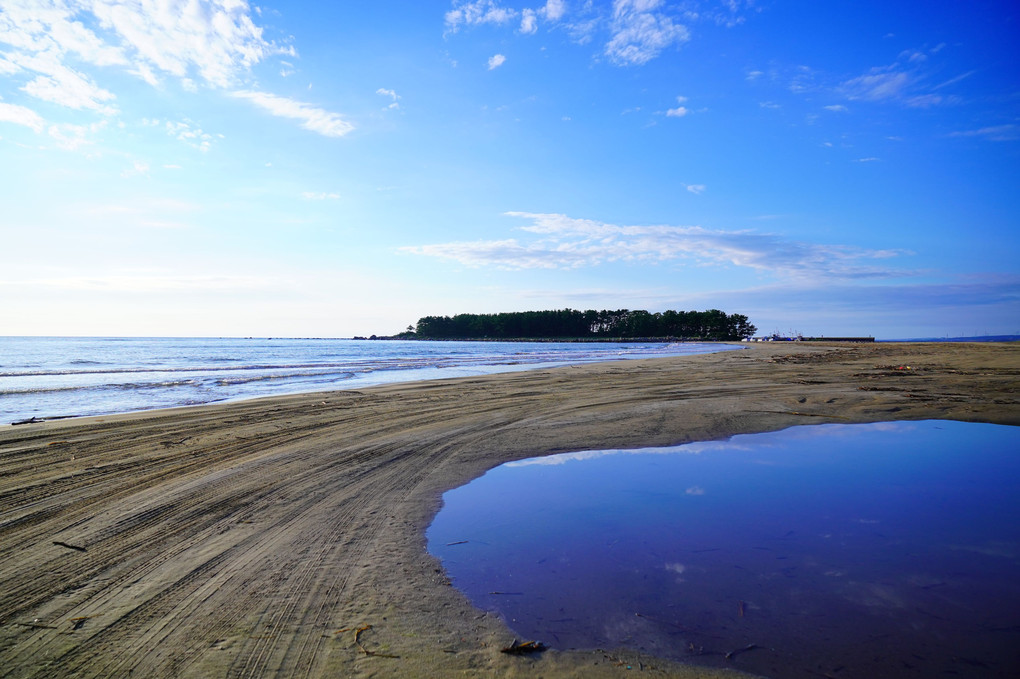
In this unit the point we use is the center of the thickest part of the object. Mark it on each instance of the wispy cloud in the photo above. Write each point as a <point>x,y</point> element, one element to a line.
<point>696,189</point>
<point>392,95</point>
<point>184,131</point>
<point>640,30</point>
<point>475,12</point>
<point>633,32</point>
<point>215,40</point>
<point>311,117</point>
<point>906,81</point>
<point>877,84</point>
<point>72,137</point>
<point>210,43</point>
<point>496,60</point>
<point>313,195</point>
<point>927,301</point>
<point>67,87</point>
<point>21,115</point>
<point>910,80</point>
<point>1009,132</point>
<point>568,243</point>
<point>679,111</point>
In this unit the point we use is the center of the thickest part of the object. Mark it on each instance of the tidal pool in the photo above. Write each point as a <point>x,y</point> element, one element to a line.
<point>879,550</point>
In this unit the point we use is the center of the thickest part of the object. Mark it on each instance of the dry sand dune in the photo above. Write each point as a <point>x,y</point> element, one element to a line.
<point>283,537</point>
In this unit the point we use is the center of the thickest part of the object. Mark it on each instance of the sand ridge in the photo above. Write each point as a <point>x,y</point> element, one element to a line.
<point>285,536</point>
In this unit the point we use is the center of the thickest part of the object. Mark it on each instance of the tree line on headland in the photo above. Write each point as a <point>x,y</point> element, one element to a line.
<point>586,325</point>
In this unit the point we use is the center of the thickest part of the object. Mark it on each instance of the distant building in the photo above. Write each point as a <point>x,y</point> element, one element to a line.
<point>776,337</point>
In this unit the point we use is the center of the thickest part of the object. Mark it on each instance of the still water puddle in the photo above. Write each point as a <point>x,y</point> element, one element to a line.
<point>882,550</point>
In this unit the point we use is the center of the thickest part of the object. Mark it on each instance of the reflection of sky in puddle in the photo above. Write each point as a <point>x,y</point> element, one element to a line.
<point>885,550</point>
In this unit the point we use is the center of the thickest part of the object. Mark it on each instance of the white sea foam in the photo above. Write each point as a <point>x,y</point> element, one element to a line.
<point>71,376</point>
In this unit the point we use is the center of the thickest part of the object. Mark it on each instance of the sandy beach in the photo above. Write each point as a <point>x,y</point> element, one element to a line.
<point>284,536</point>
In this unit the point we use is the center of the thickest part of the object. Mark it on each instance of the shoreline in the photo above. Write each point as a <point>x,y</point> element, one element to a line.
<point>284,535</point>
<point>102,385</point>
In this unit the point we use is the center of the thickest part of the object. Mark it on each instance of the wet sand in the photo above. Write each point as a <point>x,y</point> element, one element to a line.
<point>284,537</point>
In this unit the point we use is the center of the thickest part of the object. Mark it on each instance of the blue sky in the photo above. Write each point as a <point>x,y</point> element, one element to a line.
<point>310,169</point>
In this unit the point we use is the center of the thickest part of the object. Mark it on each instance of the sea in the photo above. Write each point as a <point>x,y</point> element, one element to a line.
<point>58,377</point>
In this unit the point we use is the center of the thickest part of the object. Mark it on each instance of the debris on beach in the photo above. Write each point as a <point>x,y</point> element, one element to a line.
<point>76,548</point>
<point>79,622</point>
<point>358,631</point>
<point>522,648</point>
<point>733,653</point>
<point>31,420</point>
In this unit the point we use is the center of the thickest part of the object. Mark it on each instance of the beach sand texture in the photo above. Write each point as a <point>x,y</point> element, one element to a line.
<point>284,537</point>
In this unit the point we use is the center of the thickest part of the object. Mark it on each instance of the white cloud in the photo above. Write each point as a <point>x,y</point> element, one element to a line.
<point>473,13</point>
<point>199,42</point>
<point>696,189</point>
<point>924,100</point>
<point>72,137</point>
<point>554,10</point>
<point>1007,132</point>
<point>679,111</point>
<point>876,85</point>
<point>496,60</point>
<point>903,82</point>
<point>913,56</point>
<point>192,136</point>
<point>954,80</point>
<point>891,310</point>
<point>836,108</point>
<point>551,11</point>
<point>213,39</point>
<point>312,118</point>
<point>569,243</point>
<point>21,115</point>
<point>637,30</point>
<point>392,95</point>
<point>529,22</point>
<point>732,14</point>
<point>61,85</point>
<point>640,33</point>
<point>217,38</point>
